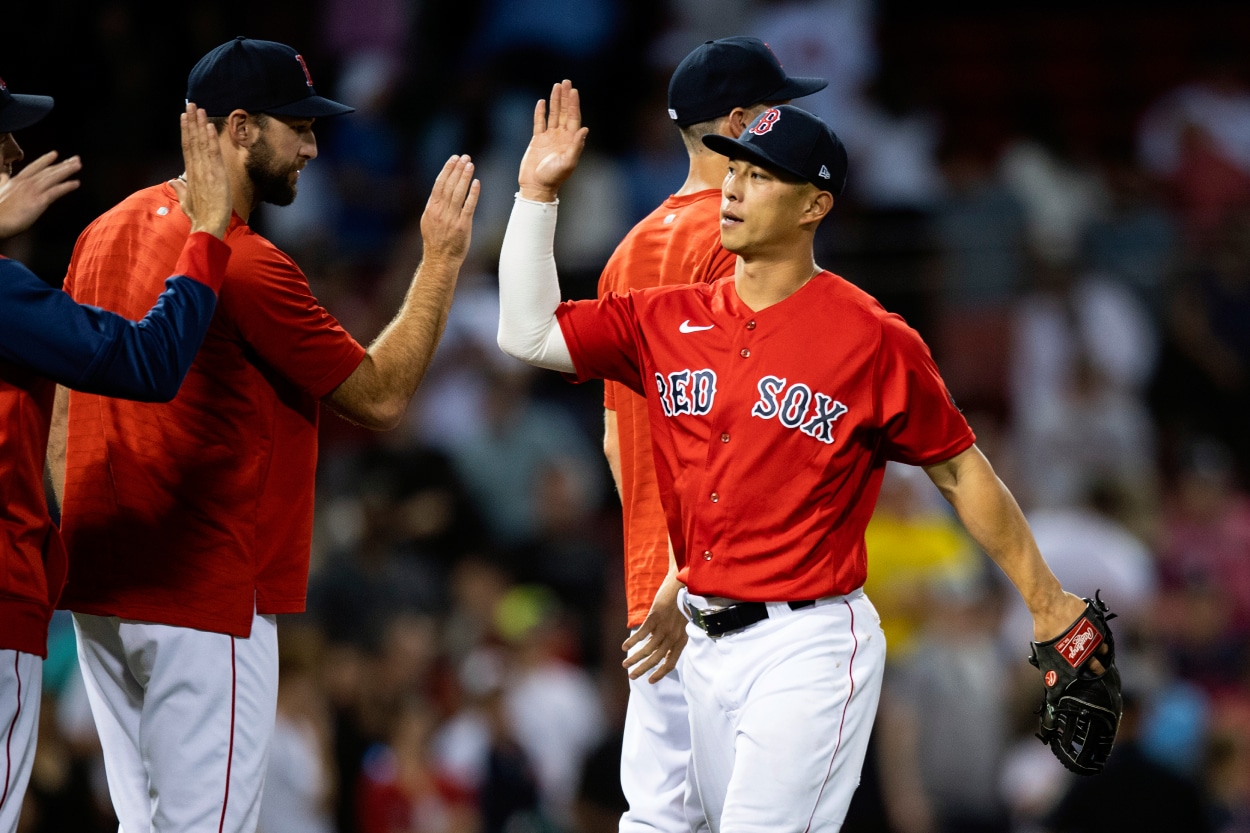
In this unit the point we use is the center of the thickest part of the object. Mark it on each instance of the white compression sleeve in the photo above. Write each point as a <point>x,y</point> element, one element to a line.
<point>529,289</point>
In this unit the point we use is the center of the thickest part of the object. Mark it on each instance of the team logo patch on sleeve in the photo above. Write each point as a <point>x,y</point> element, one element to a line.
<point>798,406</point>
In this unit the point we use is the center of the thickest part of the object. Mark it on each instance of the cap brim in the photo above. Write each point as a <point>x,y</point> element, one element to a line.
<point>313,107</point>
<point>23,111</point>
<point>797,88</point>
<point>735,149</point>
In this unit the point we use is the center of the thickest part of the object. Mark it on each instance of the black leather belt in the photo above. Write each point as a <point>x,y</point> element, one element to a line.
<point>735,617</point>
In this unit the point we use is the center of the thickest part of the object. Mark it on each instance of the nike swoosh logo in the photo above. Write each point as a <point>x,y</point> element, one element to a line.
<point>687,327</point>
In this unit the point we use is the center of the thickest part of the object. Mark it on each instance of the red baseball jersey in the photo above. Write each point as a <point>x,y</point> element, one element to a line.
<point>771,429</point>
<point>678,243</point>
<point>199,511</point>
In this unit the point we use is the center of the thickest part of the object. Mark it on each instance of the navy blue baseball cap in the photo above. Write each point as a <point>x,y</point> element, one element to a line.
<point>19,111</point>
<point>791,141</point>
<point>720,75</point>
<point>259,76</point>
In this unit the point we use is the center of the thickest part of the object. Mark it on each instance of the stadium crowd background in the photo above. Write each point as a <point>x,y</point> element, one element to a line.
<point>1058,198</point>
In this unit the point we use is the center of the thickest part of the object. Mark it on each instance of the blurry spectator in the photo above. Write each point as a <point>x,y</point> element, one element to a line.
<point>402,790</point>
<point>1061,193</point>
<point>979,231</point>
<point>60,796</point>
<point>1203,384</point>
<point>831,39</point>
<point>300,784</point>
<point>524,438</point>
<point>1197,139</point>
<point>552,705</point>
<point>1132,793</point>
<point>1089,549</point>
<point>955,671</point>
<point>477,747</point>
<point>1136,241</point>
<point>1205,562</point>
<point>1228,771</point>
<point>1082,353</point>
<point>916,547</point>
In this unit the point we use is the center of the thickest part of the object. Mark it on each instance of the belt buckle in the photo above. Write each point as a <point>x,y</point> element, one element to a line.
<point>698,617</point>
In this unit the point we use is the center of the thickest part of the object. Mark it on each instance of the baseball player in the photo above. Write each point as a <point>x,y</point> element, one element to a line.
<point>775,398</point>
<point>46,338</point>
<point>189,524</point>
<point>719,88</point>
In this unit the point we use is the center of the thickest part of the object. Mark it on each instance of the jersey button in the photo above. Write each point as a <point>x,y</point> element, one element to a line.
<point>724,438</point>
<point>750,325</point>
<point>744,352</point>
<point>715,497</point>
<point>707,555</point>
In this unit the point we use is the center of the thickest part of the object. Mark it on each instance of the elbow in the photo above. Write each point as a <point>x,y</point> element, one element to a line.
<point>385,415</point>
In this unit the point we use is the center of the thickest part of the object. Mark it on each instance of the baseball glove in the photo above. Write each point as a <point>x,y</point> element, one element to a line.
<point>1080,711</point>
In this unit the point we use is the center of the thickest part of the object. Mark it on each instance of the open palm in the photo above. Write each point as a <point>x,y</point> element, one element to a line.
<point>555,146</point>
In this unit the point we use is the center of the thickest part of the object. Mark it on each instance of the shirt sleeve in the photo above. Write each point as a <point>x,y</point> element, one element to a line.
<point>603,339</point>
<point>90,349</point>
<point>271,305</point>
<point>919,419</point>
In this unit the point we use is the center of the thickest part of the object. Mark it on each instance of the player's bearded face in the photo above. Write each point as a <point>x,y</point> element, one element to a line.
<point>273,179</point>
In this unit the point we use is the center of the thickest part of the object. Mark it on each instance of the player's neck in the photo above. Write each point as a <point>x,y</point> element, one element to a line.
<point>762,281</point>
<point>707,171</point>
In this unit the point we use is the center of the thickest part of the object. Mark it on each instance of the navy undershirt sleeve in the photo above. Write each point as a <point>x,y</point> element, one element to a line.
<point>95,351</point>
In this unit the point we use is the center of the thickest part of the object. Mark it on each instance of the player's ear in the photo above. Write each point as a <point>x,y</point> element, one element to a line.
<point>241,128</point>
<point>819,204</point>
<point>738,120</point>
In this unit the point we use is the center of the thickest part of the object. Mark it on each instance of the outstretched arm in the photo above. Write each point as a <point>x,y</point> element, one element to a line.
<point>993,518</point>
<point>377,392</point>
<point>529,288</point>
<point>90,349</point>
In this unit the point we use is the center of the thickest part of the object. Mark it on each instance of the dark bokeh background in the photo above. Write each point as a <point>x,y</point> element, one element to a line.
<point>1056,196</point>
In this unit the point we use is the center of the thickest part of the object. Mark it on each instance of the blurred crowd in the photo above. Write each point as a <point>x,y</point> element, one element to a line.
<point>1060,205</point>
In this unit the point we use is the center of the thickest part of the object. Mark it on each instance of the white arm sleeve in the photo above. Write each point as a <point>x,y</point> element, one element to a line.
<point>529,289</point>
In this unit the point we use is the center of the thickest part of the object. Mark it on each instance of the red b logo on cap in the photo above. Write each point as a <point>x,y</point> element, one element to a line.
<point>765,122</point>
<point>304,67</point>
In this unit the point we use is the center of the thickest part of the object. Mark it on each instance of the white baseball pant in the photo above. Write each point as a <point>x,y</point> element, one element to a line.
<point>185,719</point>
<point>655,759</point>
<point>780,714</point>
<point>21,686</point>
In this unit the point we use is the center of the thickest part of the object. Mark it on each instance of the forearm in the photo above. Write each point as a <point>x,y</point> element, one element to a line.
<point>56,444</point>
<point>612,448</point>
<point>378,391</point>
<point>97,351</point>
<point>993,518</point>
<point>529,289</point>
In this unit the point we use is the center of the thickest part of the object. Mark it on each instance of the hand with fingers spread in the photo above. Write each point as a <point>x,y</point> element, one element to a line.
<point>447,223</point>
<point>661,637</point>
<point>205,196</point>
<point>556,145</point>
<point>24,197</point>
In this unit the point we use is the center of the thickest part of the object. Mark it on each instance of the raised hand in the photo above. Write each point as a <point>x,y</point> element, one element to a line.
<point>447,222</point>
<point>28,194</point>
<point>555,146</point>
<point>205,197</point>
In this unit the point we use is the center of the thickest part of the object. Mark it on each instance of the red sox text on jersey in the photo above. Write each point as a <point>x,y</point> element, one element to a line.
<point>795,406</point>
